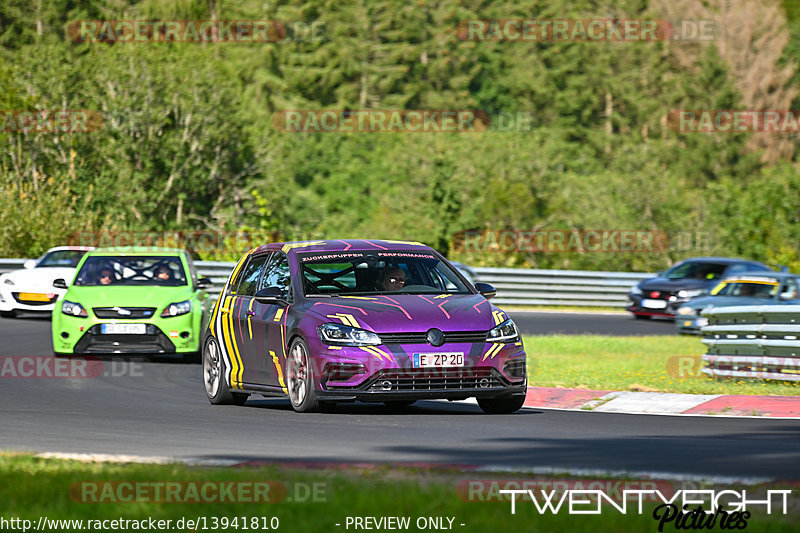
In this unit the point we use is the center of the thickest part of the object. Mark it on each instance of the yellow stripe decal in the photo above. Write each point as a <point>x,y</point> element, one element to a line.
<point>347,320</point>
<point>225,315</point>
<point>249,325</point>
<point>278,314</point>
<point>373,351</point>
<point>491,352</point>
<point>277,363</point>
<point>290,246</point>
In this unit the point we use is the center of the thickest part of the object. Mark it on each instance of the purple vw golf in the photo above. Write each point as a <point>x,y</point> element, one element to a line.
<point>332,321</point>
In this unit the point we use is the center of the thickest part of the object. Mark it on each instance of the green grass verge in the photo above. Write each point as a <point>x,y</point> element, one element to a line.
<point>655,364</point>
<point>34,488</point>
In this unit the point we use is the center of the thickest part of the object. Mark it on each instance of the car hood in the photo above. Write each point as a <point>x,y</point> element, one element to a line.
<point>727,301</point>
<point>664,284</point>
<point>40,277</point>
<point>133,296</point>
<point>406,313</point>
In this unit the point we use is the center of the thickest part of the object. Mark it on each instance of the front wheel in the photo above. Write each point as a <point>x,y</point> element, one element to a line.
<point>300,378</point>
<point>217,389</point>
<point>501,406</point>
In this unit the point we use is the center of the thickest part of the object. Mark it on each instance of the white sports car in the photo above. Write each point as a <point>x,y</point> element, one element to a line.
<point>31,289</point>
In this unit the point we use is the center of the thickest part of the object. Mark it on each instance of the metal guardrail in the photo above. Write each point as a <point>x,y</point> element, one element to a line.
<point>515,286</point>
<point>520,286</point>
<point>754,341</point>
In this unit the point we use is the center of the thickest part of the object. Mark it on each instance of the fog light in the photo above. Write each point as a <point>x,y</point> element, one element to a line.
<point>64,335</point>
<point>185,335</point>
<point>341,371</point>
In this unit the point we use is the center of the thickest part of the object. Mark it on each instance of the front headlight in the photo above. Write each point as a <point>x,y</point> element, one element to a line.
<point>176,309</point>
<point>73,309</point>
<point>690,294</point>
<point>686,310</point>
<point>505,332</point>
<point>635,290</point>
<point>341,335</point>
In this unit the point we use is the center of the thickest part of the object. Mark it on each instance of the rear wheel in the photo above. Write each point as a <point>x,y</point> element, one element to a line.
<point>501,406</point>
<point>300,378</point>
<point>217,389</point>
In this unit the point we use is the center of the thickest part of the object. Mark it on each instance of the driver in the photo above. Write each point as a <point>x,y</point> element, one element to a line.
<point>393,279</point>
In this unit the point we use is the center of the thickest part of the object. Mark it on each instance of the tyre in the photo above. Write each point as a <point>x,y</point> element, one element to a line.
<point>300,378</point>
<point>8,314</point>
<point>217,389</point>
<point>501,406</point>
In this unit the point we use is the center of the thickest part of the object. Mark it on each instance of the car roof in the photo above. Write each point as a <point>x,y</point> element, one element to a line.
<point>760,275</point>
<point>134,250</point>
<point>70,248</point>
<point>342,245</point>
<point>724,260</point>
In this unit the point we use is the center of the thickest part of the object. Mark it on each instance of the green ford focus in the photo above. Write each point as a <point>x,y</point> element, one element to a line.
<point>139,300</point>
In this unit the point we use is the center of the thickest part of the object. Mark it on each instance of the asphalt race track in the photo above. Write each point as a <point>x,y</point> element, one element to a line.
<point>158,408</point>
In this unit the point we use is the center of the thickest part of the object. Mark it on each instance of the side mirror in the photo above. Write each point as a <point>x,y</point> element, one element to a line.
<point>59,283</point>
<point>30,263</point>
<point>486,290</point>
<point>204,283</point>
<point>660,273</point>
<point>270,295</point>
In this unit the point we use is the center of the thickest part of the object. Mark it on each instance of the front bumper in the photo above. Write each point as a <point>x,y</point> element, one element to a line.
<point>12,299</point>
<point>84,336</point>
<point>351,373</point>
<point>690,324</point>
<point>669,309</point>
<point>419,384</point>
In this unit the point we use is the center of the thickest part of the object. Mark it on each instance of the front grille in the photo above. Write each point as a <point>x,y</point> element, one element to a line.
<point>135,312</point>
<point>153,341</point>
<point>423,379</point>
<point>422,338</point>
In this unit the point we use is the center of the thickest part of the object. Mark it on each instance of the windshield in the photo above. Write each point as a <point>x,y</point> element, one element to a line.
<point>696,270</point>
<point>749,289</point>
<point>380,272</point>
<point>61,258</point>
<point>134,270</point>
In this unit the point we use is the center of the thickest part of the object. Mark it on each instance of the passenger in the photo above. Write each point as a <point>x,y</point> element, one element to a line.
<point>393,279</point>
<point>106,276</point>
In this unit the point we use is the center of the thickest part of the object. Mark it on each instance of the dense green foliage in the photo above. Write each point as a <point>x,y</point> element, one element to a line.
<point>188,140</point>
